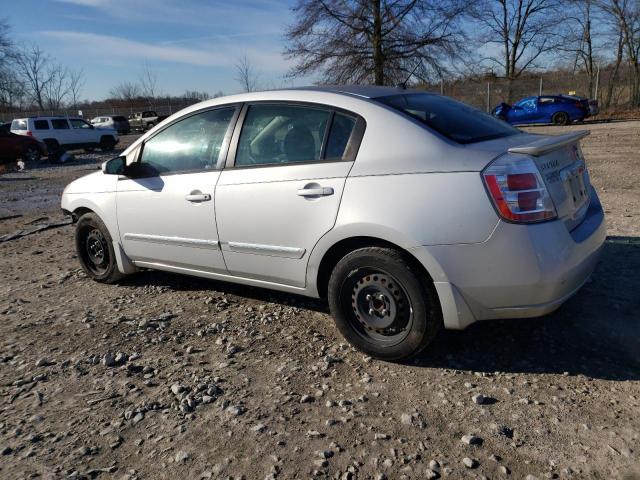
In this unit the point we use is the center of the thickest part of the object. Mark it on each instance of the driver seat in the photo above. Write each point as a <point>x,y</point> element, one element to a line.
<point>299,145</point>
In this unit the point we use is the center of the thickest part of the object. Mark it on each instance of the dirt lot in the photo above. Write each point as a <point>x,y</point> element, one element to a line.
<point>165,376</point>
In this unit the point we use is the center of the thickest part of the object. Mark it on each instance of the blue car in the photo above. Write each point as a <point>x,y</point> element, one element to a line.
<point>555,109</point>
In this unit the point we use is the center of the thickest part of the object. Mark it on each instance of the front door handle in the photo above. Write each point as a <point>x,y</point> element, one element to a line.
<point>198,197</point>
<point>315,192</point>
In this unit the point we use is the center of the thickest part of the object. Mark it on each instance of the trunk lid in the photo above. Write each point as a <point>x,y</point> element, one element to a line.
<point>562,166</point>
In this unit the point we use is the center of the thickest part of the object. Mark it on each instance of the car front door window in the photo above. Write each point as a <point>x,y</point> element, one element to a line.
<point>194,143</point>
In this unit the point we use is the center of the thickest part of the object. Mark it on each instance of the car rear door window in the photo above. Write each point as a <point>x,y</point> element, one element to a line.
<point>281,134</point>
<point>41,125</point>
<point>341,131</point>
<point>60,124</point>
<point>194,143</point>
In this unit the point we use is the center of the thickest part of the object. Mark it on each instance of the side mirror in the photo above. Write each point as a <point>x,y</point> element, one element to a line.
<point>91,127</point>
<point>115,166</point>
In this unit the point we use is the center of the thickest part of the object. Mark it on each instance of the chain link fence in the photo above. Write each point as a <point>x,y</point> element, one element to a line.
<point>486,93</point>
<point>91,112</point>
<point>483,93</point>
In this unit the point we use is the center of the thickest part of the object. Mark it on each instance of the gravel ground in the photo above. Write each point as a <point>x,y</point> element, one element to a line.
<point>165,376</point>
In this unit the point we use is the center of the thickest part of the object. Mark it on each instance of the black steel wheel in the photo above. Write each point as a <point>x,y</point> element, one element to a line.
<point>382,304</point>
<point>94,247</point>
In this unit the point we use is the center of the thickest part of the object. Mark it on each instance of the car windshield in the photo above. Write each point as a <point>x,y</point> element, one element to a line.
<point>455,120</point>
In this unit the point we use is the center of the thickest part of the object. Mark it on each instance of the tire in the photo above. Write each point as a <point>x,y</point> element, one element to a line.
<point>150,126</point>
<point>31,154</point>
<point>382,305</point>
<point>54,151</point>
<point>94,247</point>
<point>560,118</point>
<point>107,144</point>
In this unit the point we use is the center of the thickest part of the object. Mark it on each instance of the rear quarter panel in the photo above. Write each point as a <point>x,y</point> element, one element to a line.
<point>411,210</point>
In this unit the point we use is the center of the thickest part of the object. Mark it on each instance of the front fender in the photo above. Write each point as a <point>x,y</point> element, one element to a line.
<point>102,204</point>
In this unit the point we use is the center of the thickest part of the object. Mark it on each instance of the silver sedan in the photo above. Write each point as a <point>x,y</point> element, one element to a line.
<point>410,212</point>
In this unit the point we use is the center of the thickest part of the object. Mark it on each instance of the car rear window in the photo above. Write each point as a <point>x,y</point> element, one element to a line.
<point>41,125</point>
<point>455,120</point>
<point>19,125</point>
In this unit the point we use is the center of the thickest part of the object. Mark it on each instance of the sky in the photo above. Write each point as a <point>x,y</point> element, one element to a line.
<point>189,44</point>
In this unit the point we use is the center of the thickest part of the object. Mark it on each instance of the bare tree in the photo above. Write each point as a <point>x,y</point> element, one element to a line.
<point>148,84</point>
<point>11,90</point>
<point>246,75</point>
<point>56,87</point>
<point>125,91</point>
<point>524,30</point>
<point>7,47</point>
<point>76,84</point>
<point>33,68</point>
<point>579,41</point>
<point>375,41</point>
<point>625,14</point>
<point>196,95</point>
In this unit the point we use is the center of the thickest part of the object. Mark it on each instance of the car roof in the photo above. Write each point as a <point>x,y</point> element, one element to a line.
<point>366,91</point>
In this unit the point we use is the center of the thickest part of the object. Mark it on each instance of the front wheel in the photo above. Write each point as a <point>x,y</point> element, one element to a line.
<point>382,305</point>
<point>94,247</point>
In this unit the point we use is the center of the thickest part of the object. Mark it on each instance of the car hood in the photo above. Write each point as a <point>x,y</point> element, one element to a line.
<point>96,182</point>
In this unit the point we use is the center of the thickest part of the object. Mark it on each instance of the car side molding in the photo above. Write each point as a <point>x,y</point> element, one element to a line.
<point>548,144</point>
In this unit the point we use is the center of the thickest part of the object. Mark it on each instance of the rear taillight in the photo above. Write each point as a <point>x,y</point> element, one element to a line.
<point>517,190</point>
<point>29,133</point>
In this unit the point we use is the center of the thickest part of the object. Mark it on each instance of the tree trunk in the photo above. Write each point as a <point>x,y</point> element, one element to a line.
<point>614,74</point>
<point>378,56</point>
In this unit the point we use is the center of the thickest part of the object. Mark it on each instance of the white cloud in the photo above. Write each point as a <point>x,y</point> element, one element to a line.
<point>116,47</point>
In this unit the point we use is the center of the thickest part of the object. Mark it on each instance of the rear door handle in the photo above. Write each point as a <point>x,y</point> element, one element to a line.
<point>198,197</point>
<point>315,192</point>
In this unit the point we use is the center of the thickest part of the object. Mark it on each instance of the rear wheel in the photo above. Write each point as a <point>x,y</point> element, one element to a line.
<point>560,118</point>
<point>54,151</point>
<point>107,144</point>
<point>383,306</point>
<point>31,154</point>
<point>94,247</point>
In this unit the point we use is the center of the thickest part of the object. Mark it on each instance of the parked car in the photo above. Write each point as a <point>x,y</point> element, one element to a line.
<point>408,211</point>
<point>145,120</point>
<point>556,109</point>
<point>14,147</point>
<point>65,133</point>
<point>117,122</point>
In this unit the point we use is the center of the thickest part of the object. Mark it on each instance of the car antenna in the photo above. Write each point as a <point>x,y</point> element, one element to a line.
<point>403,85</point>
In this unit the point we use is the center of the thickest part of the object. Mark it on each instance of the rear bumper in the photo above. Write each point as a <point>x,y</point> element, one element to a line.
<point>520,271</point>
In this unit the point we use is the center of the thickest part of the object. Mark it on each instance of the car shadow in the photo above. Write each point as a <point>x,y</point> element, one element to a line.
<point>596,333</point>
<point>16,179</point>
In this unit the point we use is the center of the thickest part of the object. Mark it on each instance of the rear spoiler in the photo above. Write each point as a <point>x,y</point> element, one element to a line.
<point>549,143</point>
